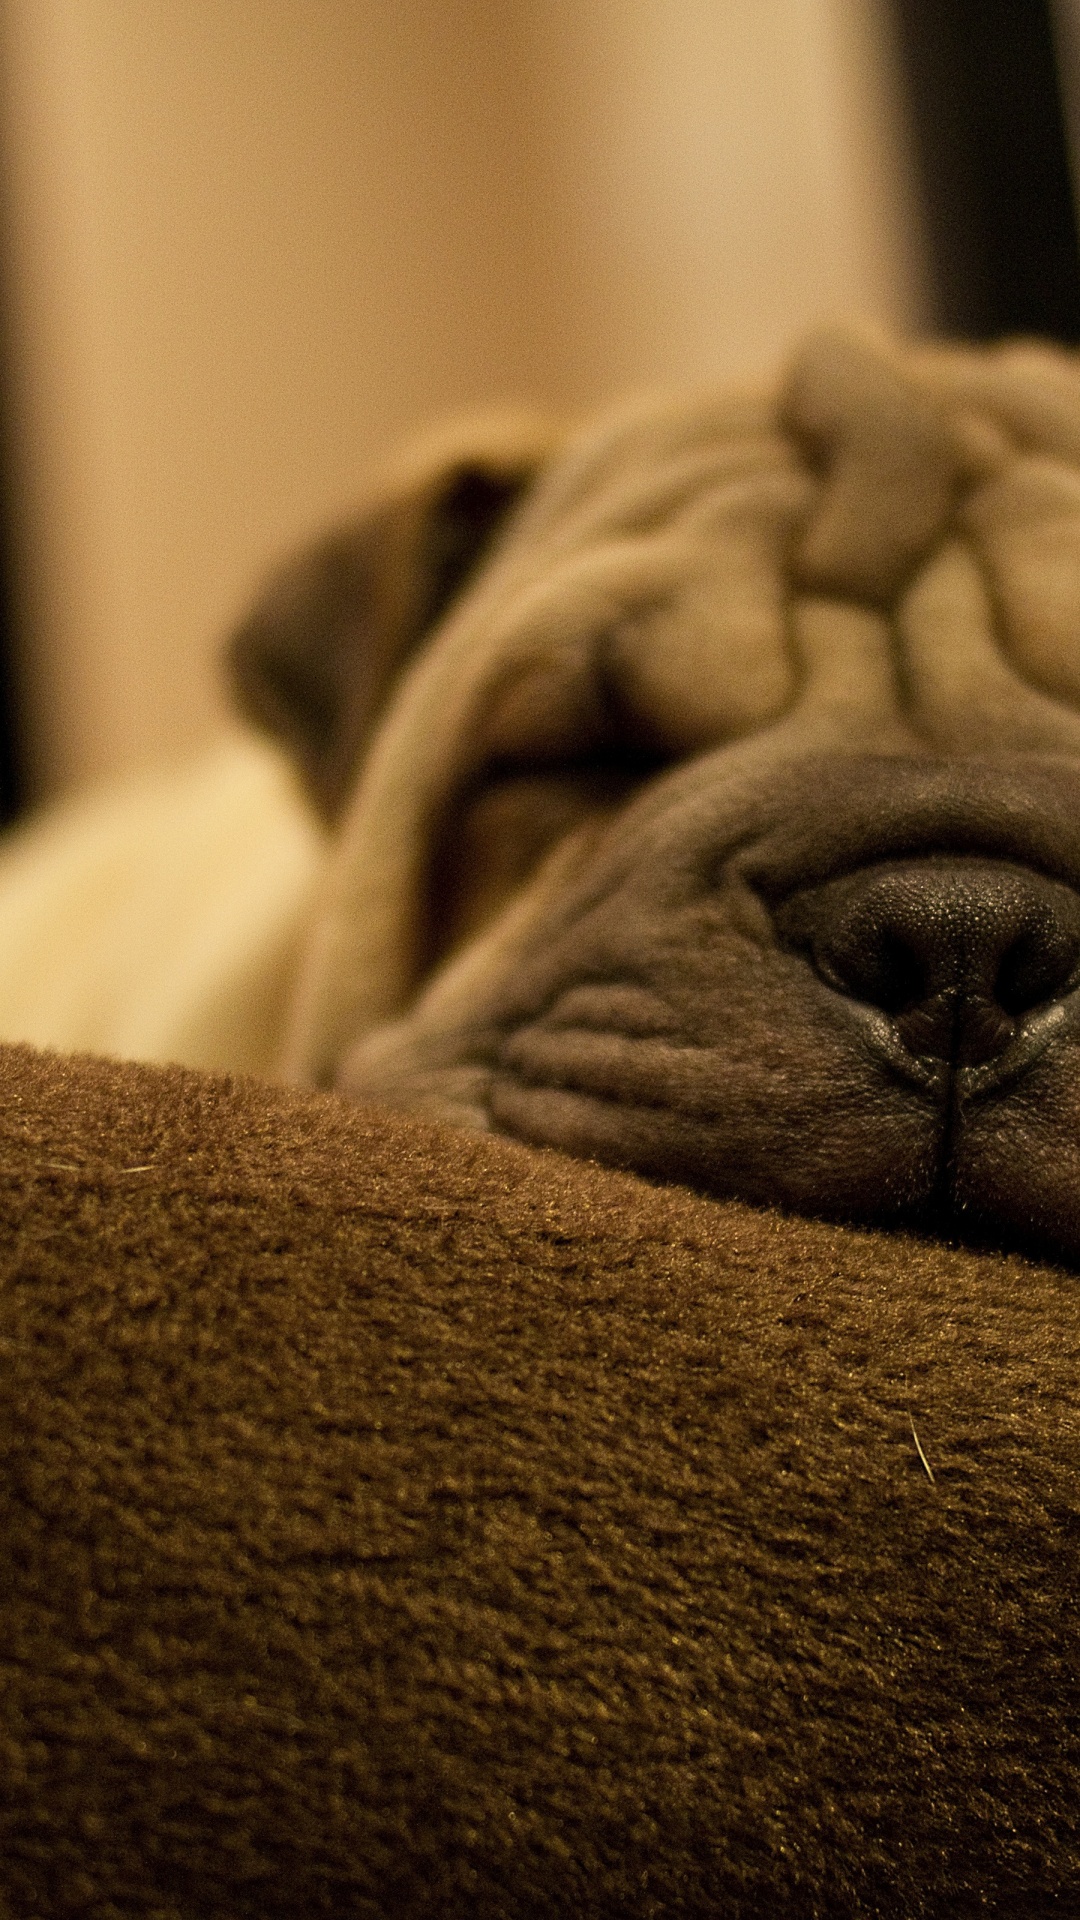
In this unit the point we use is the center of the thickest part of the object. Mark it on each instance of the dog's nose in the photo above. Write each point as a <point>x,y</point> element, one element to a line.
<point>956,951</point>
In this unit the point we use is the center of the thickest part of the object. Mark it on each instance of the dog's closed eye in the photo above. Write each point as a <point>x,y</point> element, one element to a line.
<point>559,749</point>
<point>512,815</point>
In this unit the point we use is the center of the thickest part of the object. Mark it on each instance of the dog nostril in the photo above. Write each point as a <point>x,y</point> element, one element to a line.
<point>886,972</point>
<point>1034,970</point>
<point>955,951</point>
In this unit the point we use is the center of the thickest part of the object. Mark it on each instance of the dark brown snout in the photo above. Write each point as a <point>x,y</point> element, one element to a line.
<point>864,1001</point>
<point>959,954</point>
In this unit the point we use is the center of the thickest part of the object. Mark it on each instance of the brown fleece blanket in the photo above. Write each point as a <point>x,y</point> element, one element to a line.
<point>398,1522</point>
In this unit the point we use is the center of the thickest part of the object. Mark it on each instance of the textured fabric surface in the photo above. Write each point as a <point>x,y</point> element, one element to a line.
<point>397,1522</point>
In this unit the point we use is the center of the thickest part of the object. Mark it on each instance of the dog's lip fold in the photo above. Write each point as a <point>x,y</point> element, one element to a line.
<point>961,1085</point>
<point>613,1020</point>
<point>594,1092</point>
<point>928,1175</point>
<point>583,1077</point>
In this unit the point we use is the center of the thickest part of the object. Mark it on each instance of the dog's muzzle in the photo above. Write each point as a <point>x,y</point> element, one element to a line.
<point>777,1012</point>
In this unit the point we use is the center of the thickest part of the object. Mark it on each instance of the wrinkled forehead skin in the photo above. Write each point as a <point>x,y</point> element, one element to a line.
<point>880,556</point>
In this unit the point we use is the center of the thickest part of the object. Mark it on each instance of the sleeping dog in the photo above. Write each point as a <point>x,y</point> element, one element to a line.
<point>703,793</point>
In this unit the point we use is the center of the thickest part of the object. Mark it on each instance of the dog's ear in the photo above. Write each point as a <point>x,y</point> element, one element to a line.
<point>316,657</point>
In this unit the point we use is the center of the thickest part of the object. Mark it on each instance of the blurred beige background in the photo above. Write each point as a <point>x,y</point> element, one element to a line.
<point>251,242</point>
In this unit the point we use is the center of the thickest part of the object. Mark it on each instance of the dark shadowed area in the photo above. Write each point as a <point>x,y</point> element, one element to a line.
<point>990,141</point>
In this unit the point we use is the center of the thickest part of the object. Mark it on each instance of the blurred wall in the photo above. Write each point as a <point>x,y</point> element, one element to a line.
<point>250,242</point>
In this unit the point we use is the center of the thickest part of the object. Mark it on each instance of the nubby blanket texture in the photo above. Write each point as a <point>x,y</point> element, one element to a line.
<point>402,1523</point>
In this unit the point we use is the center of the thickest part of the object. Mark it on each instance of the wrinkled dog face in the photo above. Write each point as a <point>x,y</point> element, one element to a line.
<point>715,812</point>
